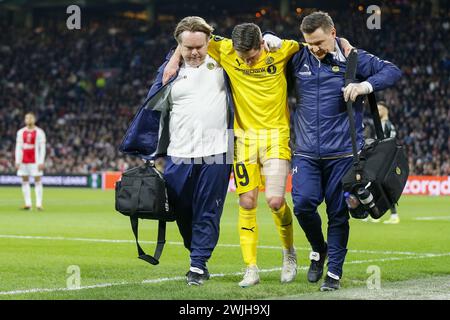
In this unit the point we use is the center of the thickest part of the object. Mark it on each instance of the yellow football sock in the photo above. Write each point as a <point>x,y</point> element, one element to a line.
<point>248,235</point>
<point>283,221</point>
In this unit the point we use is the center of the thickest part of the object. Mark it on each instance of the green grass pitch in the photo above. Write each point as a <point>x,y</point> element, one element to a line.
<point>80,227</point>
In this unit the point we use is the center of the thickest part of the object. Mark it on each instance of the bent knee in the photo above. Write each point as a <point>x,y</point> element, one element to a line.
<point>247,201</point>
<point>275,203</point>
<point>304,205</point>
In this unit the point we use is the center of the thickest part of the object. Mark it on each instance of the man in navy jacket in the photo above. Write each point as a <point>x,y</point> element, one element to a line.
<point>322,144</point>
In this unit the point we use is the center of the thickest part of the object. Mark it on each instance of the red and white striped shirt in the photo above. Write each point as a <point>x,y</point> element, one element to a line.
<point>30,146</point>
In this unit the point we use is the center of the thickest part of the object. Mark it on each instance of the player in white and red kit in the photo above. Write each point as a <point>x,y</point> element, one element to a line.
<point>30,156</point>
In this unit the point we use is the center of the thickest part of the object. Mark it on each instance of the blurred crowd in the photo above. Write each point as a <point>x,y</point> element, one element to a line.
<point>86,85</point>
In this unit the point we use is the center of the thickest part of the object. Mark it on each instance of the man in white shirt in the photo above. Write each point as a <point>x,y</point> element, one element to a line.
<point>196,170</point>
<point>30,156</point>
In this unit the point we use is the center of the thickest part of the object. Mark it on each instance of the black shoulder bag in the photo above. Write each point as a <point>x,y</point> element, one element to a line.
<point>141,194</point>
<point>380,172</point>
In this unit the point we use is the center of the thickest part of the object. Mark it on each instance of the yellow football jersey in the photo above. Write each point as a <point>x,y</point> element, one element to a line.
<point>259,91</point>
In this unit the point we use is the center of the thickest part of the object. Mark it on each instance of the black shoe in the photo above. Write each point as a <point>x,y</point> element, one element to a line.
<point>330,284</point>
<point>25,208</point>
<point>315,271</point>
<point>196,279</point>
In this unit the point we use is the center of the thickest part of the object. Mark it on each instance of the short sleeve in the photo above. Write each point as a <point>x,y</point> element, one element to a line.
<point>290,47</point>
<point>216,46</point>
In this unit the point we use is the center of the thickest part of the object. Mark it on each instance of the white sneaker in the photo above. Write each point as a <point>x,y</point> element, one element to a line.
<point>394,219</point>
<point>289,269</point>
<point>251,277</point>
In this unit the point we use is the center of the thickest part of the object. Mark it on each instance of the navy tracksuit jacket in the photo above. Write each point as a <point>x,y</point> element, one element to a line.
<point>322,143</point>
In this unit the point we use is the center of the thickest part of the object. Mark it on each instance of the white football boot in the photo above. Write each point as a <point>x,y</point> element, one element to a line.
<point>289,269</point>
<point>251,277</point>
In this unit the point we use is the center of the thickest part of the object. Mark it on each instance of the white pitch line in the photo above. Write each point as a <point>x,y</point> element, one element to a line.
<point>11,236</point>
<point>432,218</point>
<point>159,280</point>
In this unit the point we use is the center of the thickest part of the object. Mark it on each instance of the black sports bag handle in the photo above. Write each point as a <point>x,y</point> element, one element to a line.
<point>154,260</point>
<point>375,116</point>
<point>350,75</point>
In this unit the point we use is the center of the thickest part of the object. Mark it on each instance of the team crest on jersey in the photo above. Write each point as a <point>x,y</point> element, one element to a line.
<point>210,65</point>
<point>269,60</point>
<point>335,69</point>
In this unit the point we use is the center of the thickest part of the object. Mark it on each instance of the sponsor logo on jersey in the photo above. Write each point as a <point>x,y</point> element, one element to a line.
<point>259,72</point>
<point>27,146</point>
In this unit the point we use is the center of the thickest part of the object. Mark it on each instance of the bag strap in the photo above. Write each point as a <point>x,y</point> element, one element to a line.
<point>375,116</point>
<point>154,260</point>
<point>350,75</point>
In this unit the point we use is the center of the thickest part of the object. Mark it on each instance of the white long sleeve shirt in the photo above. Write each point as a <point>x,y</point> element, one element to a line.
<point>30,146</point>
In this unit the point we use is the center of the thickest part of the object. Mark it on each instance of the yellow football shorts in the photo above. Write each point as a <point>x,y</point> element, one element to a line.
<point>250,154</point>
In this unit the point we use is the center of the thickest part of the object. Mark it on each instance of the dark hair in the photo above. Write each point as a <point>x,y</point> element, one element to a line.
<point>246,36</point>
<point>315,21</point>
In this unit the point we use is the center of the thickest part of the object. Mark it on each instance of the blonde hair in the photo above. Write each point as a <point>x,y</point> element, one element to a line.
<point>192,24</point>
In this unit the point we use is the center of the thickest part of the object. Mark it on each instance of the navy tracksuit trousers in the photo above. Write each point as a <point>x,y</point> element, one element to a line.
<point>314,180</point>
<point>197,189</point>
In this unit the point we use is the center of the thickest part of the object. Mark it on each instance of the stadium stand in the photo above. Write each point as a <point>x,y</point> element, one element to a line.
<point>86,85</point>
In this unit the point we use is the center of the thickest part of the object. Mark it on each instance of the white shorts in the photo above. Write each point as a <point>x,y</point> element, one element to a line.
<point>29,169</point>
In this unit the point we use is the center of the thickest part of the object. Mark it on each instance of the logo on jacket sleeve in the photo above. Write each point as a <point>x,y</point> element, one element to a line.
<point>304,71</point>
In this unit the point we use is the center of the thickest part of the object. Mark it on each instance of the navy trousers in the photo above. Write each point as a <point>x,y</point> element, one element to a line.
<point>314,180</point>
<point>197,191</point>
